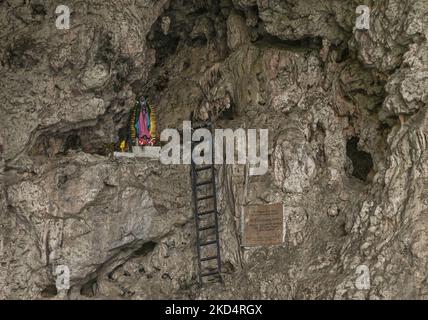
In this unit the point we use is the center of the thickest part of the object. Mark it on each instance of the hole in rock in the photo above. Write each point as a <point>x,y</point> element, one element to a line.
<point>229,113</point>
<point>38,9</point>
<point>84,139</point>
<point>343,54</point>
<point>229,267</point>
<point>105,52</point>
<point>199,42</point>
<point>145,249</point>
<point>362,161</point>
<point>303,43</point>
<point>164,44</point>
<point>49,292</point>
<point>72,142</point>
<point>89,288</point>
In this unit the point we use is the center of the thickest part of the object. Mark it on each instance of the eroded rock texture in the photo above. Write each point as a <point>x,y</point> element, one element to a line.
<point>347,114</point>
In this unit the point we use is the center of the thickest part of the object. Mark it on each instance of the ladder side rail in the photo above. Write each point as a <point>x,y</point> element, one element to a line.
<point>196,214</point>
<point>215,198</point>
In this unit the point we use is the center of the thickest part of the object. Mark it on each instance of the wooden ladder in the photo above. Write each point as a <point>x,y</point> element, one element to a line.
<point>205,210</point>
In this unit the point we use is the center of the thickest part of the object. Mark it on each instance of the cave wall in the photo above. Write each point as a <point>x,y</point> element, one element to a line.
<point>346,110</point>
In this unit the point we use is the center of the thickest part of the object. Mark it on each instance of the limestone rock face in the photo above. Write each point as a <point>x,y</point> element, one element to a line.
<point>347,116</point>
<point>237,31</point>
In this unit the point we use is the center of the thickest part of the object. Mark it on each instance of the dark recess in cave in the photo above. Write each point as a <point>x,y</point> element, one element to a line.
<point>72,142</point>
<point>165,45</point>
<point>38,9</point>
<point>49,292</point>
<point>183,18</point>
<point>362,161</point>
<point>198,41</point>
<point>343,54</point>
<point>145,249</point>
<point>267,39</point>
<point>89,288</point>
<point>105,52</point>
<point>228,114</point>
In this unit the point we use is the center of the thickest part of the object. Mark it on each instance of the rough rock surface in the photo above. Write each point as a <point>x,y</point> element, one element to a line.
<point>348,143</point>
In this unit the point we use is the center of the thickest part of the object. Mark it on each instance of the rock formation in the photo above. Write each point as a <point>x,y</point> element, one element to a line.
<point>347,116</point>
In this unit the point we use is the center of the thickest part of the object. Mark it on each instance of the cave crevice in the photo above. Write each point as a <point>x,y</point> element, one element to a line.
<point>362,162</point>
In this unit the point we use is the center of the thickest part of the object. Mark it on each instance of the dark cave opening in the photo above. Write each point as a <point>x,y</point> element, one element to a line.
<point>89,288</point>
<point>303,43</point>
<point>228,114</point>
<point>199,41</point>
<point>165,45</point>
<point>343,54</point>
<point>38,9</point>
<point>72,142</point>
<point>49,292</point>
<point>51,145</point>
<point>177,26</point>
<point>105,52</point>
<point>362,161</point>
<point>145,249</point>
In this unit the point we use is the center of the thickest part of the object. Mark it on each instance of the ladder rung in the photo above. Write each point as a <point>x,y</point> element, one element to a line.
<point>207,243</point>
<point>208,258</point>
<point>204,168</point>
<point>204,183</point>
<point>207,228</point>
<point>212,273</point>
<point>206,212</point>
<point>205,198</point>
